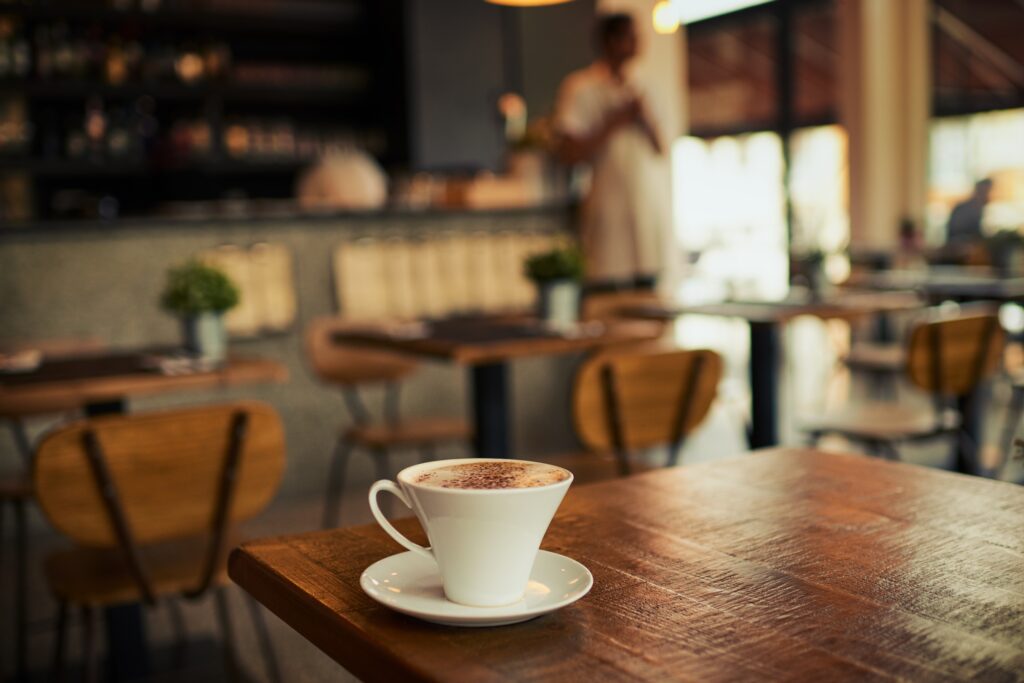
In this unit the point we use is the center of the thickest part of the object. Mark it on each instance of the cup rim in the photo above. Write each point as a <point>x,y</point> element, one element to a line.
<point>403,477</point>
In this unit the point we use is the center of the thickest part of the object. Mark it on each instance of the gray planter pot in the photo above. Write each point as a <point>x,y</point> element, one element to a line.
<point>205,336</point>
<point>558,302</point>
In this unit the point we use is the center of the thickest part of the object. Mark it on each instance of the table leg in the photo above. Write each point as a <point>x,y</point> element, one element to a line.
<point>125,624</point>
<point>491,437</point>
<point>764,384</point>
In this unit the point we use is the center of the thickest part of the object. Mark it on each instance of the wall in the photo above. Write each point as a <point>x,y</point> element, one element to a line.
<point>105,284</point>
<point>463,54</point>
<point>553,42</point>
<point>456,73</point>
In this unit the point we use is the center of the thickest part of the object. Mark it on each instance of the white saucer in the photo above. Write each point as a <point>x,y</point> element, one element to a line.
<point>410,584</point>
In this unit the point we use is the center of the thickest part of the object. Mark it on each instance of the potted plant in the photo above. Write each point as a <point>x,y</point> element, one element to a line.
<point>557,274</point>
<point>200,294</point>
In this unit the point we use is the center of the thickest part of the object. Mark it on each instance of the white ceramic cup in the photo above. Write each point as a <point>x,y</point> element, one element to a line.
<point>484,541</point>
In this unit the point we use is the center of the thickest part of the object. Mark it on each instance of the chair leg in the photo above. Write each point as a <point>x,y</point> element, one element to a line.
<point>263,635</point>
<point>889,451</point>
<point>21,439</point>
<point>336,483</point>
<point>180,633</point>
<point>90,671</point>
<point>426,452</point>
<point>20,590</point>
<point>674,450</point>
<point>59,642</point>
<point>227,633</point>
<point>622,463</point>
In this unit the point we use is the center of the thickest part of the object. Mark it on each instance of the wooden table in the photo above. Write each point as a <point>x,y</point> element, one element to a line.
<point>948,283</point>
<point>101,383</point>
<point>787,564</point>
<point>766,319</point>
<point>486,346</point>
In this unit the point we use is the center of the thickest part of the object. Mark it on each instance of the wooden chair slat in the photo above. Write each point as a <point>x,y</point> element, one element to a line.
<point>349,364</point>
<point>650,384</point>
<point>166,469</point>
<point>970,349</point>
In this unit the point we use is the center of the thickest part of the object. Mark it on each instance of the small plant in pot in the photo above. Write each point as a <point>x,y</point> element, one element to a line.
<point>200,294</point>
<point>557,274</point>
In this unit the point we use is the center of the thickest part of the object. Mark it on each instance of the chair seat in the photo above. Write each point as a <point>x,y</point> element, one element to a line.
<point>883,422</point>
<point>101,576</point>
<point>588,468</point>
<point>877,357</point>
<point>15,487</point>
<point>410,432</point>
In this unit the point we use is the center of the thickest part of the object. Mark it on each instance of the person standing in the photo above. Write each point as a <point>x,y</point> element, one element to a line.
<point>964,226</point>
<point>602,119</point>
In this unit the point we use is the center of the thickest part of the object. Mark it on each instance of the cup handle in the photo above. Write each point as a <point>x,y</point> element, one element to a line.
<point>391,487</point>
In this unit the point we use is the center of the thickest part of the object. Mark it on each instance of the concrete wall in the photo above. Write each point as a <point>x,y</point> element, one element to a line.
<point>105,283</point>
<point>456,74</point>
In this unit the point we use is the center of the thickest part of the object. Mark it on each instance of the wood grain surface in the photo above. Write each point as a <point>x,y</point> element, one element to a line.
<point>483,342</point>
<point>20,397</point>
<point>782,564</point>
<point>846,305</point>
<point>166,467</point>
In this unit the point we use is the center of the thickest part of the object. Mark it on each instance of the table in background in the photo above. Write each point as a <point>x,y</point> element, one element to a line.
<point>947,283</point>
<point>765,319</point>
<point>101,383</point>
<point>487,346</point>
<point>788,564</point>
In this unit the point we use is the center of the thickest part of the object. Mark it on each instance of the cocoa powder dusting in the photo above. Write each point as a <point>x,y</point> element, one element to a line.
<point>492,475</point>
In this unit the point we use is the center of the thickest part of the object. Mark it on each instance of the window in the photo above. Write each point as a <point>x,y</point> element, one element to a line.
<point>731,192</point>
<point>730,208</point>
<point>965,149</point>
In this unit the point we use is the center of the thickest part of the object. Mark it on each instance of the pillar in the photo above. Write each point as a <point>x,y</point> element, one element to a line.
<point>885,105</point>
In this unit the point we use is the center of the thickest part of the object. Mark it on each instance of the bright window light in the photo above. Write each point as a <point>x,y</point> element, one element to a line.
<point>690,11</point>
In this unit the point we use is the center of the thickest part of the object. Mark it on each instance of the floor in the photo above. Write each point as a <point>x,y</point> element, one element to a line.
<point>812,381</point>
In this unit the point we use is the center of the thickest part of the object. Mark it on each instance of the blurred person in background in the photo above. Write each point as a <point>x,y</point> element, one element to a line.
<point>602,120</point>
<point>964,227</point>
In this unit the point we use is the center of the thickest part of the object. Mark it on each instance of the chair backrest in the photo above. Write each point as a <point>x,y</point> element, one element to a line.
<point>951,356</point>
<point>609,305</point>
<point>651,397</point>
<point>605,306</point>
<point>349,365</point>
<point>166,470</point>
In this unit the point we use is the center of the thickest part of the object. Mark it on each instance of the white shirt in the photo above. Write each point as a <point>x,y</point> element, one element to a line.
<point>621,231</point>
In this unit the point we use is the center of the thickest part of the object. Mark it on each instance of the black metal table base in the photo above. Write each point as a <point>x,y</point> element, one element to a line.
<point>490,390</point>
<point>764,384</point>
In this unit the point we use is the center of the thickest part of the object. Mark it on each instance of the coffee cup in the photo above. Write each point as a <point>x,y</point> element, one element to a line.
<point>484,518</point>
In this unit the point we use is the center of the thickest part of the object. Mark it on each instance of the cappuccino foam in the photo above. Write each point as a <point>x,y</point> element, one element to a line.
<point>492,475</point>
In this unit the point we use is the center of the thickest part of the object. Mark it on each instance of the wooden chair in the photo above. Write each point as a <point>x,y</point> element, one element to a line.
<point>151,501</point>
<point>637,398</point>
<point>350,367</point>
<point>948,357</point>
<point>16,490</point>
<point>616,305</point>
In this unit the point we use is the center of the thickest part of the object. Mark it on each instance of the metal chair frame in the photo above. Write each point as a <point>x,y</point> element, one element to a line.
<point>130,550</point>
